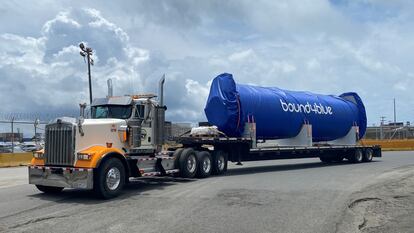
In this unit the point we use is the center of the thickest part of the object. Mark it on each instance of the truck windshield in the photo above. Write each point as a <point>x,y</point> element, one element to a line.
<point>111,111</point>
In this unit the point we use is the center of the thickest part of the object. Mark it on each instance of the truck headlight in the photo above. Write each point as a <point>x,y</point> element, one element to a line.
<point>84,156</point>
<point>38,155</point>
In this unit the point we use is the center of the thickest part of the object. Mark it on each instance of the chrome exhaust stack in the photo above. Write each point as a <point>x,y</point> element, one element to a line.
<point>161,90</point>
<point>159,117</point>
<point>110,88</point>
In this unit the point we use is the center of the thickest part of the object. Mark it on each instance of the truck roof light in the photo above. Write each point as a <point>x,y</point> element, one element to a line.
<point>149,96</point>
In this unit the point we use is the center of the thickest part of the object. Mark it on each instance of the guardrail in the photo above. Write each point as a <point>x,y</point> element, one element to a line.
<point>398,144</point>
<point>15,159</point>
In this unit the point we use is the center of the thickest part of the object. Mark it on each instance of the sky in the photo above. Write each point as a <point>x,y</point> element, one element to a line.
<point>327,47</point>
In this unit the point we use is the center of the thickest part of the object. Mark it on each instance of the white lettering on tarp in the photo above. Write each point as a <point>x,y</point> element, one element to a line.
<point>316,108</point>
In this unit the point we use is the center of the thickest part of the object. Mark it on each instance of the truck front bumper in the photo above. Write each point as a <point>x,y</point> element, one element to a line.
<point>61,177</point>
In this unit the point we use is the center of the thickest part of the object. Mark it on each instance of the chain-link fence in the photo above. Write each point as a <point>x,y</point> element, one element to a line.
<point>390,132</point>
<point>22,132</point>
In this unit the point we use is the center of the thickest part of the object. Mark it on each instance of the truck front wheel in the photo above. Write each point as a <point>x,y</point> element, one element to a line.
<point>49,189</point>
<point>109,178</point>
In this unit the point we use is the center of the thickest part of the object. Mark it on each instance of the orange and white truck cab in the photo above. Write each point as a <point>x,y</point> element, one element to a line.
<point>123,138</point>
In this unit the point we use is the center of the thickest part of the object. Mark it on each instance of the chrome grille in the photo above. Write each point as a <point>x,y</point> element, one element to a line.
<point>60,144</point>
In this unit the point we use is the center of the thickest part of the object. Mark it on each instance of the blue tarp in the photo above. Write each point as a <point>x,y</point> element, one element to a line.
<point>280,113</point>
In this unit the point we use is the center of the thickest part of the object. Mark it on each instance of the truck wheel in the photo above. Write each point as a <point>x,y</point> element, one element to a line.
<point>356,157</point>
<point>220,160</point>
<point>368,155</point>
<point>49,189</point>
<point>176,156</point>
<point>188,163</point>
<point>109,178</point>
<point>204,164</point>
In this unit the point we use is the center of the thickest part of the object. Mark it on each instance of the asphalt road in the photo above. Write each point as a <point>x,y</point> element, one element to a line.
<point>301,195</point>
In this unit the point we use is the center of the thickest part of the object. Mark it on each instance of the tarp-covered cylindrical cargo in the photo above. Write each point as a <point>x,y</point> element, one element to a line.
<point>280,113</point>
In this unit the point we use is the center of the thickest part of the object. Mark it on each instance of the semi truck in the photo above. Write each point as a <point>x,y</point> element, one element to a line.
<point>123,138</point>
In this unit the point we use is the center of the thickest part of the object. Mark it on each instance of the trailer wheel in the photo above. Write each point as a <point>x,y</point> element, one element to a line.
<point>368,155</point>
<point>220,160</point>
<point>188,163</point>
<point>49,189</point>
<point>356,157</point>
<point>205,164</point>
<point>109,178</point>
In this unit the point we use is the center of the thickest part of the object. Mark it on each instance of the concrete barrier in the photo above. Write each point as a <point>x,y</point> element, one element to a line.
<point>15,159</point>
<point>400,144</point>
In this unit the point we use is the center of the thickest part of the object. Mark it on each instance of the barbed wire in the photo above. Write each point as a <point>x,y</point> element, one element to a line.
<point>27,116</point>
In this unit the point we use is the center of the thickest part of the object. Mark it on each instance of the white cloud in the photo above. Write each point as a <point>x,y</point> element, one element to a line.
<point>283,66</point>
<point>239,56</point>
<point>313,64</point>
<point>50,65</point>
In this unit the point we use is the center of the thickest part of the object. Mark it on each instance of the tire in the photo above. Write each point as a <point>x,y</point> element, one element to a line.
<point>109,178</point>
<point>188,163</point>
<point>356,157</point>
<point>368,154</point>
<point>176,156</point>
<point>220,161</point>
<point>205,164</point>
<point>49,189</point>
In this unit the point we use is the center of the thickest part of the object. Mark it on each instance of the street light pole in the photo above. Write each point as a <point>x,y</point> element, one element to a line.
<point>87,52</point>
<point>90,79</point>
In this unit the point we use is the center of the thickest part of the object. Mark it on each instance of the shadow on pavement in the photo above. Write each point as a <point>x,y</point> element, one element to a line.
<point>134,188</point>
<point>286,167</point>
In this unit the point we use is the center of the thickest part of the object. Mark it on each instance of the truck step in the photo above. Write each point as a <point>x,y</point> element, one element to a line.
<point>158,173</point>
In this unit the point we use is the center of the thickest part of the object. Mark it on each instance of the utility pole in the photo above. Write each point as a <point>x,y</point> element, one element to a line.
<point>395,114</point>
<point>86,52</point>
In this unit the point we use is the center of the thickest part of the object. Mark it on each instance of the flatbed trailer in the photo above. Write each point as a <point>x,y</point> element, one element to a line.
<point>238,149</point>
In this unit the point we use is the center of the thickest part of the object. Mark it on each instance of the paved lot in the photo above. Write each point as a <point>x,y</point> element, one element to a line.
<point>301,195</point>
